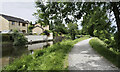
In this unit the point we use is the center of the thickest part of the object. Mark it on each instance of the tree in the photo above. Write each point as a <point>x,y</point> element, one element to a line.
<point>30,27</point>
<point>87,7</point>
<point>115,7</point>
<point>54,13</point>
<point>72,29</point>
<point>96,21</point>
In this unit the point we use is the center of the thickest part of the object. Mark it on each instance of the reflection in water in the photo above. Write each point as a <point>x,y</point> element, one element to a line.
<point>10,53</point>
<point>39,46</point>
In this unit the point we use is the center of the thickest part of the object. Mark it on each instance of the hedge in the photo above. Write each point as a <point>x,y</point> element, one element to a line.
<point>102,49</point>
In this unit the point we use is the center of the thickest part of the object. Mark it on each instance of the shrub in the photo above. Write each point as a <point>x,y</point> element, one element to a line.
<point>19,38</point>
<point>6,37</point>
<point>35,34</point>
<point>42,34</point>
<point>102,49</point>
<point>46,32</point>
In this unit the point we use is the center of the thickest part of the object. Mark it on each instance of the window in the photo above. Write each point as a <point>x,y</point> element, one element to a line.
<point>23,31</point>
<point>11,30</point>
<point>13,23</point>
<point>23,24</point>
<point>19,23</point>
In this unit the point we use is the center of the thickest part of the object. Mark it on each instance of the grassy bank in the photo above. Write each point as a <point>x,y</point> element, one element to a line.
<point>102,49</point>
<point>51,58</point>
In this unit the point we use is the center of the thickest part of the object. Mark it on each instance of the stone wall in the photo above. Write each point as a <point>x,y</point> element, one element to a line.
<point>35,38</point>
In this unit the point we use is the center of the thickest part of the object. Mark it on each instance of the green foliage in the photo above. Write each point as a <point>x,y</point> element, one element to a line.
<point>42,34</point>
<point>72,29</point>
<point>19,38</point>
<point>102,49</point>
<point>35,34</point>
<point>67,36</point>
<point>30,28</point>
<point>55,13</point>
<point>117,41</point>
<point>51,58</point>
<point>6,37</point>
<point>61,28</point>
<point>97,24</point>
<point>47,32</point>
<point>95,20</point>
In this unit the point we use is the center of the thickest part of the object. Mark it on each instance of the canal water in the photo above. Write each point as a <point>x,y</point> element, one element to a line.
<point>10,53</point>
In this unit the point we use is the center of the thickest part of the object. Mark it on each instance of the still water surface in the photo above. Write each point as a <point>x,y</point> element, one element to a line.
<point>10,53</point>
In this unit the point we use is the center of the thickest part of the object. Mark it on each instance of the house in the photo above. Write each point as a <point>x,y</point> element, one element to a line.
<point>9,23</point>
<point>38,29</point>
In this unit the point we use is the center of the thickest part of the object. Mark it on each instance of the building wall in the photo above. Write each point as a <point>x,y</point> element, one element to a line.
<point>4,24</point>
<point>7,25</point>
<point>18,26</point>
<point>37,24</point>
<point>46,27</point>
<point>38,30</point>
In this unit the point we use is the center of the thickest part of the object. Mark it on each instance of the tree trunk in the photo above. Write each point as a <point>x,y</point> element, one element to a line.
<point>116,13</point>
<point>115,9</point>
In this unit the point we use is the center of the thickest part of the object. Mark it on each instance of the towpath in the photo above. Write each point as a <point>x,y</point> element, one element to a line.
<point>83,57</point>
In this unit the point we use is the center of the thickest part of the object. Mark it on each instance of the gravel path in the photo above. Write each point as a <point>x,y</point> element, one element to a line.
<point>83,57</point>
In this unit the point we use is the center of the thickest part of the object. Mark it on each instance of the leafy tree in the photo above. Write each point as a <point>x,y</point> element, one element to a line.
<point>30,27</point>
<point>72,29</point>
<point>97,24</point>
<point>54,13</point>
<point>115,7</point>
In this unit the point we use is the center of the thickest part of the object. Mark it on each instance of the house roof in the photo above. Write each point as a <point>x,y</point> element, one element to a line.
<point>10,18</point>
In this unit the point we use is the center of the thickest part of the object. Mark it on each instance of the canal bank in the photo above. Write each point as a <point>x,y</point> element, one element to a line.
<point>49,58</point>
<point>10,52</point>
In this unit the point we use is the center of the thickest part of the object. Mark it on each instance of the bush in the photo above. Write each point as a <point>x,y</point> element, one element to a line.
<point>102,49</point>
<point>67,36</point>
<point>19,39</point>
<point>6,37</point>
<point>35,34</point>
<point>47,32</point>
<point>42,34</point>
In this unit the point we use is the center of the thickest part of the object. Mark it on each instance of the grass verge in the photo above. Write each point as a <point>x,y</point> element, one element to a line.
<point>51,58</point>
<point>102,49</point>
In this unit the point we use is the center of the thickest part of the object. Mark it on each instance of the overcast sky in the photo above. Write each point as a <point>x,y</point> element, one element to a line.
<point>22,10</point>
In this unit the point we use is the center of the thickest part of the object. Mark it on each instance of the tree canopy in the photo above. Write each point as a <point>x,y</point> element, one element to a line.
<point>95,17</point>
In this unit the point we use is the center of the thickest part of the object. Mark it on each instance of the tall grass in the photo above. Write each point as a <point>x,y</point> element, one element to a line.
<point>102,49</point>
<point>50,58</point>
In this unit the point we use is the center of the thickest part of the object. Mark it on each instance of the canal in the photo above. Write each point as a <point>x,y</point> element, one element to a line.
<point>10,52</point>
